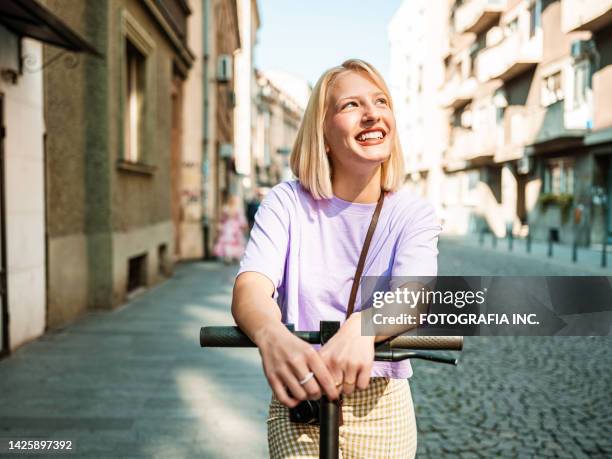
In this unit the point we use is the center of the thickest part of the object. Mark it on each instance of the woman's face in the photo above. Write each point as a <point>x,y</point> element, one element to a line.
<point>359,126</point>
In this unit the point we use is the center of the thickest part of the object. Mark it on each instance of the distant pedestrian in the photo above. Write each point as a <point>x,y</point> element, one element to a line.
<point>231,228</point>
<point>252,206</point>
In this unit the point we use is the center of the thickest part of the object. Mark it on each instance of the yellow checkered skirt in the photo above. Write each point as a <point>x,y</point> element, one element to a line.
<point>379,422</point>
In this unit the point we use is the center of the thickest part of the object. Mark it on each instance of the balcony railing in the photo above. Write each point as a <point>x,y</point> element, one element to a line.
<point>468,145</point>
<point>551,124</point>
<point>478,15</point>
<point>511,57</point>
<point>533,126</point>
<point>458,91</point>
<point>585,14</point>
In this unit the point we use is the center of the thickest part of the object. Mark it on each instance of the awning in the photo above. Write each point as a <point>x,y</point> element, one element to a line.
<point>30,19</point>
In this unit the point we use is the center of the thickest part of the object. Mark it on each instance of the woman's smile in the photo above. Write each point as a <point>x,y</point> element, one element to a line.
<point>369,137</point>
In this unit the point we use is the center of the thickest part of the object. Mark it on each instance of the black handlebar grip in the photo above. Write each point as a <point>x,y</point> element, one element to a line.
<point>224,337</point>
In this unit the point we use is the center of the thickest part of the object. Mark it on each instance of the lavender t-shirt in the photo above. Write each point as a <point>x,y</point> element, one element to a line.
<point>309,249</point>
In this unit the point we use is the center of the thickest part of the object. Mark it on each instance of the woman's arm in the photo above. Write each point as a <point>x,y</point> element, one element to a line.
<point>286,358</point>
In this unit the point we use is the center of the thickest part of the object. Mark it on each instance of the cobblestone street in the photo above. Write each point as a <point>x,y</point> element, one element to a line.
<point>134,383</point>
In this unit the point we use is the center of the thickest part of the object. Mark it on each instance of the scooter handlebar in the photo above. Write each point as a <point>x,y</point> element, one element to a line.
<point>234,337</point>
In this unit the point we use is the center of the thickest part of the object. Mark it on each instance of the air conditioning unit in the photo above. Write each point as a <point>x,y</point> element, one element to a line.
<point>226,150</point>
<point>224,68</point>
<point>582,48</point>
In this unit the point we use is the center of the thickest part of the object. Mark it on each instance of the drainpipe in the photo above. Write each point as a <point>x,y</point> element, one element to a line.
<point>205,161</point>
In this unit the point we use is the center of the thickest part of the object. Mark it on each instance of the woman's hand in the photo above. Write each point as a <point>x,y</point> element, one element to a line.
<point>287,360</point>
<point>349,356</point>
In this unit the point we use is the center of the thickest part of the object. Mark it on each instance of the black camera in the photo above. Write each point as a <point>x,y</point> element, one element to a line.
<point>306,412</point>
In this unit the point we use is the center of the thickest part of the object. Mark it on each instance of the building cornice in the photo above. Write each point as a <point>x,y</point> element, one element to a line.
<point>186,57</point>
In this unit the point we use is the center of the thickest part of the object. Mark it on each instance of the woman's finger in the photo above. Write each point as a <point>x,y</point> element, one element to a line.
<point>281,394</point>
<point>324,377</point>
<point>291,382</point>
<point>311,386</point>
<point>350,379</point>
<point>363,377</point>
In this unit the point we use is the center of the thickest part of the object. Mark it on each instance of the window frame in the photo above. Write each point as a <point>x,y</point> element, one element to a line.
<point>566,176</point>
<point>133,34</point>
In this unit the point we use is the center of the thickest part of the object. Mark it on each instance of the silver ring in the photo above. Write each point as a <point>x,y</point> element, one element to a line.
<point>307,378</point>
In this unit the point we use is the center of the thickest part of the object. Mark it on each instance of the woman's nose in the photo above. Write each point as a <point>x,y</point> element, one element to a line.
<point>370,113</point>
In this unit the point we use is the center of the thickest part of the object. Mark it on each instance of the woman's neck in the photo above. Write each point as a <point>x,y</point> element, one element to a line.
<point>361,189</point>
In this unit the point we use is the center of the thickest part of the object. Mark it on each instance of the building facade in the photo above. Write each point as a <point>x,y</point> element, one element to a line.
<point>24,27</point>
<point>593,64</point>
<point>527,124</point>
<point>281,102</point>
<point>114,151</point>
<point>418,41</point>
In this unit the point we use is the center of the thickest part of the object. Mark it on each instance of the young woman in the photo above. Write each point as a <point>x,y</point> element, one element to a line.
<point>231,228</point>
<point>300,262</point>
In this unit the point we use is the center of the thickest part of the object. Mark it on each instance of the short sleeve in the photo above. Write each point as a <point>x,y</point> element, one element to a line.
<point>416,254</point>
<point>266,251</point>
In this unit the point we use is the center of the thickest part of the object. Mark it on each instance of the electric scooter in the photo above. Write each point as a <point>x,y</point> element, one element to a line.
<point>399,348</point>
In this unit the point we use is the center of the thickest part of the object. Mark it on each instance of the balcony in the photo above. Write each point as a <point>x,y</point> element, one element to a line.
<point>468,145</point>
<point>550,128</point>
<point>458,92</point>
<point>589,15</point>
<point>511,57</point>
<point>476,16</point>
<point>520,128</point>
<point>538,128</point>
<point>461,145</point>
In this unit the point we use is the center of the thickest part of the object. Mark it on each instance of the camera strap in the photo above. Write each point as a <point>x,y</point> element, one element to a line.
<point>364,254</point>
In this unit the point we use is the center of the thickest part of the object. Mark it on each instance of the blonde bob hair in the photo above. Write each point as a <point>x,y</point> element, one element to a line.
<point>309,161</point>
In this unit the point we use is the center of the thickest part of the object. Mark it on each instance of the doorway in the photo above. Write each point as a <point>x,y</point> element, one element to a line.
<point>4,317</point>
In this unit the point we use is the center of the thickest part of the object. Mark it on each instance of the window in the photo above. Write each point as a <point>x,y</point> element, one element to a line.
<point>582,82</point>
<point>552,89</point>
<point>511,27</point>
<point>559,177</point>
<point>535,17</point>
<point>134,102</point>
<point>137,272</point>
<point>136,122</point>
<point>473,179</point>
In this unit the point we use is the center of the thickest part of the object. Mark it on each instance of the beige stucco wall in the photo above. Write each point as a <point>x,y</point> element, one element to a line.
<point>602,81</point>
<point>100,214</point>
<point>138,242</point>
<point>25,202</point>
<point>191,245</point>
<point>69,278</point>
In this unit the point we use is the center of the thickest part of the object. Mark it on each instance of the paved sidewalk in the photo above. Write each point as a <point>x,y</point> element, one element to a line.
<point>588,259</point>
<point>134,382</point>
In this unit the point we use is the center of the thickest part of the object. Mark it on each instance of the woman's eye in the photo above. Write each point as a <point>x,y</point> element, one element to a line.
<point>348,104</point>
<point>381,100</point>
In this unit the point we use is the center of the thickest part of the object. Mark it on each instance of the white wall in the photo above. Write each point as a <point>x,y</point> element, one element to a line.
<point>243,79</point>
<point>25,201</point>
<point>417,43</point>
